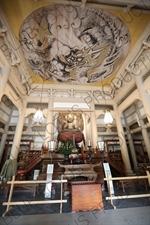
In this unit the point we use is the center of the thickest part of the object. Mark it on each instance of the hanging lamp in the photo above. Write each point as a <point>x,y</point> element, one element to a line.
<point>108,119</point>
<point>38,117</point>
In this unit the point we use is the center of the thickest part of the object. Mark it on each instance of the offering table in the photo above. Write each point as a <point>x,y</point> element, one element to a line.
<point>77,170</point>
<point>85,196</point>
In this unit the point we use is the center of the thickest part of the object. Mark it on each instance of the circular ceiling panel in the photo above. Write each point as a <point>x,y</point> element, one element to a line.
<point>64,43</point>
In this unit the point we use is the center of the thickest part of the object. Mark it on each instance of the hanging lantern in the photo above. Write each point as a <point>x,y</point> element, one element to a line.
<point>51,145</point>
<point>108,119</point>
<point>101,145</point>
<point>38,117</point>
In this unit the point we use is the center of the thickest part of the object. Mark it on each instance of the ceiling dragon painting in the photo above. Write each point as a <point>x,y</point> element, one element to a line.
<point>64,43</point>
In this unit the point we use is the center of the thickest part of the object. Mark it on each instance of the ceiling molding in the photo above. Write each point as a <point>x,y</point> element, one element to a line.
<point>124,5</point>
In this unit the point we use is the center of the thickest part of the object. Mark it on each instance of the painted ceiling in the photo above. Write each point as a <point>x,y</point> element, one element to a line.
<point>65,43</point>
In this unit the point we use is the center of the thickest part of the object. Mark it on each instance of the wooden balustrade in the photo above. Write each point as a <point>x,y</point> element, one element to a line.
<point>12,183</point>
<point>32,158</point>
<point>125,179</point>
<point>118,165</point>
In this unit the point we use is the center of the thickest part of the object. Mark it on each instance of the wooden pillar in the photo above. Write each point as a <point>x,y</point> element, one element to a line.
<point>18,134</point>
<point>49,133</point>
<point>93,126</point>
<point>123,146</point>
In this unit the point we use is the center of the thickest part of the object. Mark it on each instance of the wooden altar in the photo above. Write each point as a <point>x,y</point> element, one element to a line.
<point>76,170</point>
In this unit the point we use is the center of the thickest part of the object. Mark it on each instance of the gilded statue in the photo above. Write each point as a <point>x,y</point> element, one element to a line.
<point>70,127</point>
<point>70,121</point>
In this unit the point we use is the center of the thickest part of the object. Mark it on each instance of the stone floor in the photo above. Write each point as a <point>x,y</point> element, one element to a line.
<point>124,216</point>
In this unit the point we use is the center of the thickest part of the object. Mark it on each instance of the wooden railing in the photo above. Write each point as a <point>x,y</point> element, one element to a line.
<point>30,159</point>
<point>116,164</point>
<point>33,161</point>
<point>112,197</point>
<point>9,203</point>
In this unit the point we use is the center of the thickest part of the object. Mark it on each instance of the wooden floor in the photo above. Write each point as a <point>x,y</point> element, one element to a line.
<point>128,216</point>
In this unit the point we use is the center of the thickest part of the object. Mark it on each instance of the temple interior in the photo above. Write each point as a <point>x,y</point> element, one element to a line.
<point>74,110</point>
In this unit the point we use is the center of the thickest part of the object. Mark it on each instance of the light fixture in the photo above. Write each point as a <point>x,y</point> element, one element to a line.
<point>108,119</point>
<point>101,148</point>
<point>101,145</point>
<point>51,148</point>
<point>51,145</point>
<point>38,116</point>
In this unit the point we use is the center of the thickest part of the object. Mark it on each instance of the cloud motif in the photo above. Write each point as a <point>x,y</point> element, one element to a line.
<point>64,43</point>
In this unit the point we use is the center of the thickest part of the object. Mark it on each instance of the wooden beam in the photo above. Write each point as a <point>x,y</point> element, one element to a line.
<point>13,182</point>
<point>128,196</point>
<point>34,202</point>
<point>36,181</point>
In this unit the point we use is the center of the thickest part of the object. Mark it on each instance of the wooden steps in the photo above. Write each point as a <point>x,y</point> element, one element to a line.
<point>32,164</point>
<point>118,165</point>
<point>31,159</point>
